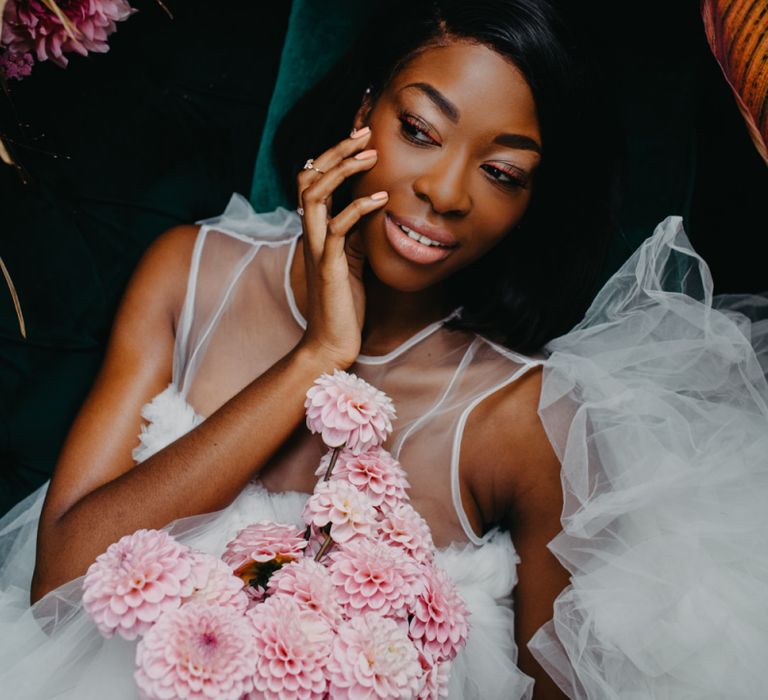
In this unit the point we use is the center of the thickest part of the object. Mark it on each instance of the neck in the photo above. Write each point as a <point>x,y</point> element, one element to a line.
<point>392,316</point>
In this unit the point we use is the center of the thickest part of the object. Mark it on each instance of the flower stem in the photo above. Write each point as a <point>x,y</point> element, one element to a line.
<point>326,543</point>
<point>332,463</point>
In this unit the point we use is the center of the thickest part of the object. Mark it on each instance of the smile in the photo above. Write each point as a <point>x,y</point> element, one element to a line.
<point>418,237</point>
<point>421,244</point>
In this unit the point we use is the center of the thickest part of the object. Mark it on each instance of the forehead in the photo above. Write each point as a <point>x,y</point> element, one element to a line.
<point>483,85</point>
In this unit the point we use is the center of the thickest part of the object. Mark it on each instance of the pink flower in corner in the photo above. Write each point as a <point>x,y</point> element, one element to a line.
<point>440,617</point>
<point>373,471</point>
<point>403,527</point>
<point>373,577</point>
<point>349,512</point>
<point>372,657</point>
<point>138,578</point>
<point>346,410</point>
<point>31,27</point>
<point>197,651</point>
<point>291,650</point>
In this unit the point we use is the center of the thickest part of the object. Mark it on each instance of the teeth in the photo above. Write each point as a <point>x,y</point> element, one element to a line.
<point>418,237</point>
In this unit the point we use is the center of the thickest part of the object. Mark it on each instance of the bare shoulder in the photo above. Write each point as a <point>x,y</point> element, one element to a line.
<point>164,267</point>
<point>515,470</point>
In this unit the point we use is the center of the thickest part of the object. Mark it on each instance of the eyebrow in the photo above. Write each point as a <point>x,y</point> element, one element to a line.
<point>451,112</point>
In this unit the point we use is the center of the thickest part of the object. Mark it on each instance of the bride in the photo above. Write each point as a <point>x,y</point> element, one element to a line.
<point>605,484</point>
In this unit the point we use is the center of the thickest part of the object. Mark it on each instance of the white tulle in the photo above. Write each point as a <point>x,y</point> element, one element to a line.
<point>657,406</point>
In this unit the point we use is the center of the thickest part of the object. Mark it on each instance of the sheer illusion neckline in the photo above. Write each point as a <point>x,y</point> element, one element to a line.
<point>415,339</point>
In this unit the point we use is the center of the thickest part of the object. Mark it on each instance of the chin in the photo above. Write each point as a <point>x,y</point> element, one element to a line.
<point>394,272</point>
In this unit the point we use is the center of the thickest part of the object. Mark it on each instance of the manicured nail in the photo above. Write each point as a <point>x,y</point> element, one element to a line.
<point>378,196</point>
<point>359,133</point>
<point>365,155</point>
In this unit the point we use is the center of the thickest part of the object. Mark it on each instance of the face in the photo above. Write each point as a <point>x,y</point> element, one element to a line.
<point>458,145</point>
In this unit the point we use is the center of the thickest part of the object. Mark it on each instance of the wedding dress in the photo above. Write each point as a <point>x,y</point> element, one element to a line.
<point>656,404</point>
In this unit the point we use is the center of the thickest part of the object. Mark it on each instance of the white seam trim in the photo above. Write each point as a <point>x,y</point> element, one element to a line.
<point>214,319</point>
<point>185,320</point>
<point>465,360</point>
<point>456,450</point>
<point>407,345</point>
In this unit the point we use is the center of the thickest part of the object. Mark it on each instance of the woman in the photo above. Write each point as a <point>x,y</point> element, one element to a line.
<point>460,245</point>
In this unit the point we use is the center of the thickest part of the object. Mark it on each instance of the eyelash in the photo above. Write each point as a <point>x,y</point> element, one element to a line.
<point>411,126</point>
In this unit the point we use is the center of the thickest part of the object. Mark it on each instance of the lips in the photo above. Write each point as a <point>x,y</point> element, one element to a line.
<point>418,241</point>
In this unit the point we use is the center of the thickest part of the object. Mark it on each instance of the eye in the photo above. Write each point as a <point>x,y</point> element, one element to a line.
<point>416,130</point>
<point>507,178</point>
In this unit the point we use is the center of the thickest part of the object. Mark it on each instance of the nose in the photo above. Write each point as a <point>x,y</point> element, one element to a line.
<point>443,183</point>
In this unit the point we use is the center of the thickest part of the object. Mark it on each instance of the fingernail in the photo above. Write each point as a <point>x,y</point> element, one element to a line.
<point>378,196</point>
<point>364,155</point>
<point>359,133</point>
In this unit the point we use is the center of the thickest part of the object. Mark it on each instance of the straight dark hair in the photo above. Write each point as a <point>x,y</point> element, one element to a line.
<point>538,281</point>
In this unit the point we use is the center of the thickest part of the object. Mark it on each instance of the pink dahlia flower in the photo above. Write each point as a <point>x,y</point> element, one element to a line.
<point>403,527</point>
<point>139,577</point>
<point>346,410</point>
<point>373,577</point>
<point>265,541</point>
<point>349,511</point>
<point>259,550</point>
<point>199,651</point>
<point>373,658</point>
<point>373,471</point>
<point>309,584</point>
<point>436,680</point>
<point>291,650</point>
<point>31,27</point>
<point>216,584</point>
<point>440,617</point>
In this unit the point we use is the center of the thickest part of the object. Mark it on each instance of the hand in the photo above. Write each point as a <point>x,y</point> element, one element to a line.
<point>333,256</point>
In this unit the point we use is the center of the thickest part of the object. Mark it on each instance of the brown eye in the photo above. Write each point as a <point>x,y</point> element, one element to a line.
<point>506,178</point>
<point>415,130</point>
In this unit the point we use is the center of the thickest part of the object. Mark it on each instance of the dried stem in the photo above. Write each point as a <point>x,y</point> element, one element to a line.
<point>332,463</point>
<point>15,297</point>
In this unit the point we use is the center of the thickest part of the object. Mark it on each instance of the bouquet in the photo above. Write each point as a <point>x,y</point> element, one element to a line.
<point>352,606</point>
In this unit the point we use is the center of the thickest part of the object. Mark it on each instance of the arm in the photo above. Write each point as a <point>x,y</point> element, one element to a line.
<point>97,494</point>
<point>523,493</point>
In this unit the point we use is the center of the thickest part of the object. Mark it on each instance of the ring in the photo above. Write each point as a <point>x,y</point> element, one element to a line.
<point>310,165</point>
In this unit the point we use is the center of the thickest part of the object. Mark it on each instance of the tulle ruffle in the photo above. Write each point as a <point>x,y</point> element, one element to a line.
<point>657,407</point>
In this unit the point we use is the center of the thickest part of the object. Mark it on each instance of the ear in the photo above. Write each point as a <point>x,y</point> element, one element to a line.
<point>363,111</point>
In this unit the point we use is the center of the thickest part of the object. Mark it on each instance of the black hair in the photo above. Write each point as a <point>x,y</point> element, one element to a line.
<point>538,281</point>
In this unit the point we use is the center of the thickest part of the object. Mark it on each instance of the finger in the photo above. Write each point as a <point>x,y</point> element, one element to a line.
<point>325,185</point>
<point>316,198</point>
<point>332,157</point>
<point>345,221</point>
